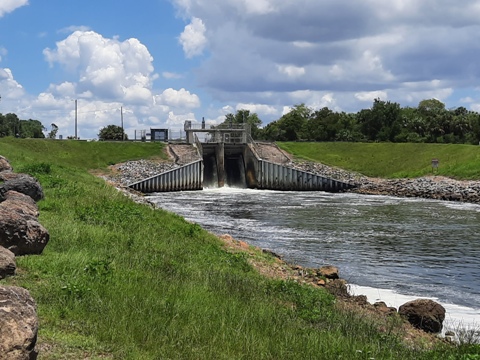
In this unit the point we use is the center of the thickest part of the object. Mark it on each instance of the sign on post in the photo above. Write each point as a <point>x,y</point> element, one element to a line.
<point>435,163</point>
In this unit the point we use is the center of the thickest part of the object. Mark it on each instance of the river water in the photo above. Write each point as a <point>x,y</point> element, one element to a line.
<point>392,249</point>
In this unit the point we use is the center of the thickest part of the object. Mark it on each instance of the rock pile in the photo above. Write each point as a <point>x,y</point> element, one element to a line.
<point>330,172</point>
<point>20,234</point>
<point>432,187</point>
<point>133,171</point>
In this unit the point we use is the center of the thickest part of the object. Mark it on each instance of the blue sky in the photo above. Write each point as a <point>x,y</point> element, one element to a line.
<point>167,61</point>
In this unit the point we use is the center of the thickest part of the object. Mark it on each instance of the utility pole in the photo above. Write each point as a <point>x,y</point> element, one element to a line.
<point>121,119</point>
<point>76,119</point>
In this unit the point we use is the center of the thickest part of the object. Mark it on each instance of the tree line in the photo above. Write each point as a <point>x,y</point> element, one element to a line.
<point>11,125</point>
<point>385,121</point>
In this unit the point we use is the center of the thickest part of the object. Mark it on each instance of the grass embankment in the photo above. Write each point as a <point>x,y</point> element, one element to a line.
<point>393,160</point>
<point>120,280</point>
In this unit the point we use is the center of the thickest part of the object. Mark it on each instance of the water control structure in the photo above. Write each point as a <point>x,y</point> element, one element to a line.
<point>226,155</point>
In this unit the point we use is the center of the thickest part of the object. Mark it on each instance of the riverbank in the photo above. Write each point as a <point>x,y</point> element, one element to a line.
<point>168,287</point>
<point>131,169</point>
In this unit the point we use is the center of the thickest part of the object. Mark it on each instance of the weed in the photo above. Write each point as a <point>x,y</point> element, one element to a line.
<point>75,290</point>
<point>99,269</point>
<point>37,168</point>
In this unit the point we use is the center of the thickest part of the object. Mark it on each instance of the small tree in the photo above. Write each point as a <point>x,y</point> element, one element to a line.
<point>245,117</point>
<point>112,132</point>
<point>53,133</point>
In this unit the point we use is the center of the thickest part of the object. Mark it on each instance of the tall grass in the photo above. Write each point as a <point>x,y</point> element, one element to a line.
<point>393,160</point>
<point>122,280</point>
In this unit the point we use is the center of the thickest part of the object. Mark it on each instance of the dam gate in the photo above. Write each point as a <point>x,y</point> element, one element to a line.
<point>226,155</point>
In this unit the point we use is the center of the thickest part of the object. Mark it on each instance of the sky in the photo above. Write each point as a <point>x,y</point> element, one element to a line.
<point>157,63</point>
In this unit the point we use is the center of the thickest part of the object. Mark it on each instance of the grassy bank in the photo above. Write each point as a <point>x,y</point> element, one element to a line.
<point>120,280</point>
<point>393,160</point>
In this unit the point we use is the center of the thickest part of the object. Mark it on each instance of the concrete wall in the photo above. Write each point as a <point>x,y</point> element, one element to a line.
<point>187,177</point>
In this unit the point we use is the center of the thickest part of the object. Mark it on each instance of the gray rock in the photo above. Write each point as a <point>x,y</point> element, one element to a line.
<point>21,183</point>
<point>328,271</point>
<point>18,324</point>
<point>132,171</point>
<point>7,263</point>
<point>21,203</point>
<point>5,164</point>
<point>20,234</point>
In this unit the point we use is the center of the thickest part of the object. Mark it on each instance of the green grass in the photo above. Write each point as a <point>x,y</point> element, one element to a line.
<point>393,160</point>
<point>121,280</point>
<point>78,154</point>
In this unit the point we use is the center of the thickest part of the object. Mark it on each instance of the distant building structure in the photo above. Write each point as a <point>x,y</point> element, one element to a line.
<point>159,135</point>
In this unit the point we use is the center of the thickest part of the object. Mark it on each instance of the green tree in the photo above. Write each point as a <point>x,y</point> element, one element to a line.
<point>272,131</point>
<point>292,125</point>
<point>245,117</point>
<point>112,132</point>
<point>436,119</point>
<point>9,125</point>
<point>31,129</point>
<point>53,133</point>
<point>381,122</point>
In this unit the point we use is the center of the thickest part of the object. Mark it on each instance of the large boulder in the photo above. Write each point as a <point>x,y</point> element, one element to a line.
<point>21,203</point>
<point>328,271</point>
<point>21,234</point>
<point>7,263</point>
<point>5,164</point>
<point>21,183</point>
<point>424,314</point>
<point>18,324</point>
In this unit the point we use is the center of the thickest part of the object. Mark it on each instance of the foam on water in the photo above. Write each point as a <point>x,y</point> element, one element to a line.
<point>456,316</point>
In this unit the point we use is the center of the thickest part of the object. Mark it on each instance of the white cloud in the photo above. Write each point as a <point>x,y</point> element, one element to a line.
<point>107,68</point>
<point>3,52</point>
<point>349,50</point>
<point>260,109</point>
<point>176,120</point>
<point>258,7</point>
<point>371,95</point>
<point>73,28</point>
<point>66,89</point>
<point>475,107</point>
<point>7,6</point>
<point>286,110</point>
<point>171,75</point>
<point>10,89</point>
<point>291,71</point>
<point>193,38</point>
<point>178,98</point>
<point>467,100</point>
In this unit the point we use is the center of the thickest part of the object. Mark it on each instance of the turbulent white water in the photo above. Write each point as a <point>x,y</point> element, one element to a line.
<point>393,249</point>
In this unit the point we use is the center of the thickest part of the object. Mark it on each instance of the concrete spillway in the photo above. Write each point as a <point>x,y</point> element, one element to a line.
<point>236,165</point>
